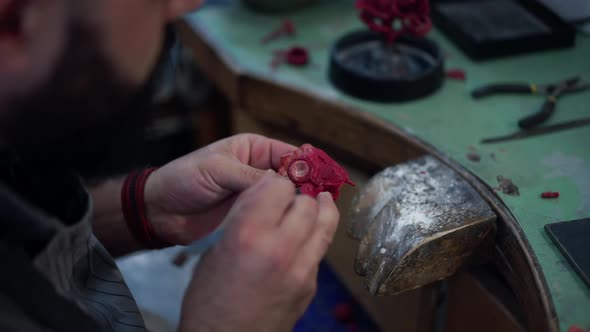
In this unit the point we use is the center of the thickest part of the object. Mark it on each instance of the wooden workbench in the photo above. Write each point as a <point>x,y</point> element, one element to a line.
<point>301,101</point>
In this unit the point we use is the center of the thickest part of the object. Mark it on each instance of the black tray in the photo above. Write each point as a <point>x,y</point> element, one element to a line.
<point>486,29</point>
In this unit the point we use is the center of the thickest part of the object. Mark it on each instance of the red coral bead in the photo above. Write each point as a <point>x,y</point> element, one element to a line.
<point>550,194</point>
<point>297,56</point>
<point>456,74</point>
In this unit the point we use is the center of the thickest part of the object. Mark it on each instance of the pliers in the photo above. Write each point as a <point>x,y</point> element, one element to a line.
<point>552,91</point>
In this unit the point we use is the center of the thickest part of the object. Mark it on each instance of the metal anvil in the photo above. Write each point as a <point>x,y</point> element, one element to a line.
<point>418,222</point>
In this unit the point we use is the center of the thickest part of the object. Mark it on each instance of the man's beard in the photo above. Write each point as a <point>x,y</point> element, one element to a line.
<point>83,112</point>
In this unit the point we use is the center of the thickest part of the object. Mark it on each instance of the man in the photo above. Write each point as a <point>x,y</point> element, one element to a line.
<point>73,77</point>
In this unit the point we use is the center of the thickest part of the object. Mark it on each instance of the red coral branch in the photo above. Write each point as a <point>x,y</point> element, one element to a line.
<point>393,18</point>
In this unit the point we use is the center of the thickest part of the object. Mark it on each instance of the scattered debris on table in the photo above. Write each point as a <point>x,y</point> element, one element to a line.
<point>473,156</point>
<point>313,171</point>
<point>287,28</point>
<point>507,186</point>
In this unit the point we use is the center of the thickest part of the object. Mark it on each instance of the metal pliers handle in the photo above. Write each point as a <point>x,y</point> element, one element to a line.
<point>535,119</point>
<point>548,107</point>
<point>552,91</point>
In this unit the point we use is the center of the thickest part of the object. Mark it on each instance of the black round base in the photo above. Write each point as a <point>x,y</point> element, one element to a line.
<point>364,66</point>
<point>276,7</point>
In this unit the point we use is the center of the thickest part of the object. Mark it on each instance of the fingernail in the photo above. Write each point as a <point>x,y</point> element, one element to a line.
<point>272,175</point>
<point>326,195</point>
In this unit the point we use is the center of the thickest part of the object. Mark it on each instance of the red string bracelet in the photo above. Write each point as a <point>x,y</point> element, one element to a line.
<point>133,203</point>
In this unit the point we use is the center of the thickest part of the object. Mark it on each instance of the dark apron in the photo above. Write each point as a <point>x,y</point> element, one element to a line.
<point>56,276</point>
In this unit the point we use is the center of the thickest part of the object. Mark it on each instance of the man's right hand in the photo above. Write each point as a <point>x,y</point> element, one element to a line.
<point>262,275</point>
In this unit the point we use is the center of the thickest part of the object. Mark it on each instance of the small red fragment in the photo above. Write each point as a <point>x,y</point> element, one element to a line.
<point>456,74</point>
<point>287,28</point>
<point>297,56</point>
<point>343,312</point>
<point>550,194</point>
<point>313,171</point>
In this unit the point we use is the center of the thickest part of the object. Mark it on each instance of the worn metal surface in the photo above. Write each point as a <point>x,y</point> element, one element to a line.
<point>418,222</point>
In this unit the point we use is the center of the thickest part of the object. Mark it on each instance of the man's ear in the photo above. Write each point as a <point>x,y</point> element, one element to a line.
<point>31,37</point>
<point>176,8</point>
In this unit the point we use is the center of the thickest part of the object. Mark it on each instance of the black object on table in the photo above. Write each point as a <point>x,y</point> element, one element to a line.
<point>573,239</point>
<point>486,29</point>
<point>552,91</point>
<point>363,65</point>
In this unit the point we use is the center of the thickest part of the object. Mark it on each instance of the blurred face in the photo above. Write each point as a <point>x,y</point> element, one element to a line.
<point>74,75</point>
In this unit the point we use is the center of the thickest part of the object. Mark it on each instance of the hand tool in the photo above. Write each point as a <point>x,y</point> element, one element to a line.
<point>552,91</point>
<point>521,134</point>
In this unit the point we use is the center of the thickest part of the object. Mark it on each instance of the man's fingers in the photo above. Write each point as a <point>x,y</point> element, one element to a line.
<point>232,175</point>
<point>259,151</point>
<point>202,225</point>
<point>328,217</point>
<point>248,159</point>
<point>265,202</point>
<point>300,221</point>
<point>277,150</point>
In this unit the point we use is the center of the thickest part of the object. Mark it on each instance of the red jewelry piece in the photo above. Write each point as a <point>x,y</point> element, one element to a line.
<point>313,171</point>
<point>132,199</point>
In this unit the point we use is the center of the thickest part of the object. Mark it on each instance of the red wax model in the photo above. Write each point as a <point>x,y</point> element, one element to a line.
<point>313,171</point>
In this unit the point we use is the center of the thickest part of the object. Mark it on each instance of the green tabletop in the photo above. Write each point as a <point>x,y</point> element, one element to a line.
<point>453,122</point>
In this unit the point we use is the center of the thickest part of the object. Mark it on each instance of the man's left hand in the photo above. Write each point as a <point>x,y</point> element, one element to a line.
<point>189,197</point>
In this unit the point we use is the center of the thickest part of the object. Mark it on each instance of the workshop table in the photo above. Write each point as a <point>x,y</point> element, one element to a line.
<point>448,125</point>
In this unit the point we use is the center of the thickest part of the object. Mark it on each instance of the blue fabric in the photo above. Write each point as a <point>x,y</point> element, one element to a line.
<point>331,293</point>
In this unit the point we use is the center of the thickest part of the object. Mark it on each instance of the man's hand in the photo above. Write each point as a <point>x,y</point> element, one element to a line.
<point>189,197</point>
<point>262,275</point>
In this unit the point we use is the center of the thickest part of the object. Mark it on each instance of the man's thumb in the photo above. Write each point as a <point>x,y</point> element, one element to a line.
<point>242,176</point>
